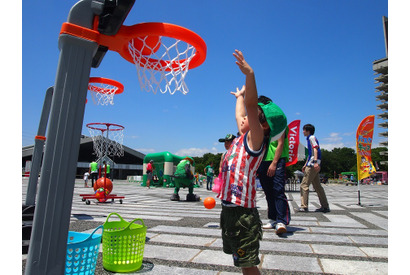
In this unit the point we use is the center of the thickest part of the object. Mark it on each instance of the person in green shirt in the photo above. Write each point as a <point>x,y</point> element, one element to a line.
<point>184,178</point>
<point>93,170</point>
<point>272,176</point>
<point>108,171</point>
<point>209,172</point>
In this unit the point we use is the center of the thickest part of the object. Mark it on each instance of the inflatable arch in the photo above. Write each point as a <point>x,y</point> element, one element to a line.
<point>165,164</point>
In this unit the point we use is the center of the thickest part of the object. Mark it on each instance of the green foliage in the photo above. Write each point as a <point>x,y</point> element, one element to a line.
<point>337,161</point>
<point>333,162</point>
<point>205,160</point>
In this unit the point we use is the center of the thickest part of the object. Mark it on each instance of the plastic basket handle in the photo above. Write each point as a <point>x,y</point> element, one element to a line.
<point>116,215</point>
<point>99,227</point>
<point>137,219</point>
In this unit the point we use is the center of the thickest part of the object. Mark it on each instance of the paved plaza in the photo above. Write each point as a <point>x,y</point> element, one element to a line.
<point>185,238</point>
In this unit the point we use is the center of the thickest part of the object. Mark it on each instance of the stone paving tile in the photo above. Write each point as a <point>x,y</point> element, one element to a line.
<point>169,253</point>
<point>186,230</point>
<point>373,219</point>
<point>318,238</point>
<point>350,231</point>
<point>175,270</point>
<point>384,213</point>
<point>295,263</point>
<point>342,220</point>
<point>337,250</point>
<point>353,267</point>
<point>183,239</point>
<point>275,246</point>
<point>214,257</point>
<point>370,240</point>
<point>378,252</point>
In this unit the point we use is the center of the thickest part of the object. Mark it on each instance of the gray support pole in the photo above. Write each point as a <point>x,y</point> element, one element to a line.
<point>38,149</point>
<point>48,243</point>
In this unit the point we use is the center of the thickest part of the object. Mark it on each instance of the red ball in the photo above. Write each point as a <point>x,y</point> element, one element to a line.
<point>209,202</point>
<point>100,194</point>
<point>100,184</point>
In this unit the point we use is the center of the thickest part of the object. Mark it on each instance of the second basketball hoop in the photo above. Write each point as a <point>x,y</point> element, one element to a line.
<point>107,139</point>
<point>103,90</point>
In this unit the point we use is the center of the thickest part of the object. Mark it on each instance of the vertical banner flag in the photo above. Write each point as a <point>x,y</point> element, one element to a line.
<point>293,137</point>
<point>364,138</point>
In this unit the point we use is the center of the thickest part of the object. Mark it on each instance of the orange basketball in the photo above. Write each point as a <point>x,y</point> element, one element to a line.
<point>100,184</point>
<point>209,202</point>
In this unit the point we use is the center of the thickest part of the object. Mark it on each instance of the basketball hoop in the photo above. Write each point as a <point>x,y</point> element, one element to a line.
<point>102,90</point>
<point>163,53</point>
<point>111,143</point>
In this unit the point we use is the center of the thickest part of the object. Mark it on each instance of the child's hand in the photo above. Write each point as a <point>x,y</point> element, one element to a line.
<point>242,64</point>
<point>239,92</point>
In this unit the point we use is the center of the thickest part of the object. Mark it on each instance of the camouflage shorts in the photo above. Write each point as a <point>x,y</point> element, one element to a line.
<point>241,233</point>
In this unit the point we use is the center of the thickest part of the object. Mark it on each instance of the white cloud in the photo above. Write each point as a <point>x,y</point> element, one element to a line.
<point>333,141</point>
<point>195,152</point>
<point>145,150</point>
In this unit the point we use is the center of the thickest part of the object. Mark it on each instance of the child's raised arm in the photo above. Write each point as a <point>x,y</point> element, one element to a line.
<point>256,132</point>
<point>240,111</point>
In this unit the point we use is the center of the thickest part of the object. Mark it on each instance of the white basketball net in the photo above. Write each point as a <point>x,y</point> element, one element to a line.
<point>165,69</point>
<point>108,142</point>
<point>102,94</point>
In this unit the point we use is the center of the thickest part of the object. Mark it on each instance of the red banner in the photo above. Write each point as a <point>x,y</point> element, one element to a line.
<point>293,137</point>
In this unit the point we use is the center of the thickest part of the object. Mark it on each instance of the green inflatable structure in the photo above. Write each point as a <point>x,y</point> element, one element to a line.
<point>171,171</point>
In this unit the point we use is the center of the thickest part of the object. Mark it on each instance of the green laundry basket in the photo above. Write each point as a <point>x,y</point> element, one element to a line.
<point>123,244</point>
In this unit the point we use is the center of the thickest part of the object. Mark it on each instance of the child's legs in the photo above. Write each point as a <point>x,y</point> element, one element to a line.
<point>241,233</point>
<point>250,270</point>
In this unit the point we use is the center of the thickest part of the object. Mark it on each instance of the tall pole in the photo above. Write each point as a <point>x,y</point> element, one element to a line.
<point>38,149</point>
<point>48,242</point>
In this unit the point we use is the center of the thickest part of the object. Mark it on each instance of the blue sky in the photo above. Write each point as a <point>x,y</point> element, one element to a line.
<point>313,58</point>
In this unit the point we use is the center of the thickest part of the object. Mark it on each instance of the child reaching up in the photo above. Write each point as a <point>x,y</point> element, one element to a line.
<point>257,124</point>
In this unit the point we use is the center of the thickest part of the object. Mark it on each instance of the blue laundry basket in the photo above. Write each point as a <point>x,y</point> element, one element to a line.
<point>82,252</point>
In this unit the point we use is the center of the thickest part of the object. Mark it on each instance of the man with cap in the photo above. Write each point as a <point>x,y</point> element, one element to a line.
<point>227,142</point>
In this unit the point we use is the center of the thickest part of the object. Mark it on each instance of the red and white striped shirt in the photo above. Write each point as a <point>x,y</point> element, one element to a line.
<point>239,168</point>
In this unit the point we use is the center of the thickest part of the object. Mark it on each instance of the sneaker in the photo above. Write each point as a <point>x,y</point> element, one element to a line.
<point>323,209</point>
<point>303,209</point>
<point>269,225</point>
<point>280,228</point>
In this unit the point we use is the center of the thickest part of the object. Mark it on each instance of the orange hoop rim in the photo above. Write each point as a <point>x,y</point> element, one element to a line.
<point>107,81</point>
<point>96,126</point>
<point>120,41</point>
<point>167,30</point>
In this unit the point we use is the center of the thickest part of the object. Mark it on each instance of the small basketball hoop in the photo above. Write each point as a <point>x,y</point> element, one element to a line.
<point>111,143</point>
<point>102,90</point>
<point>163,53</point>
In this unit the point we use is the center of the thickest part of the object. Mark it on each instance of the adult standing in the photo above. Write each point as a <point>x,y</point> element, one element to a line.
<point>209,172</point>
<point>93,170</point>
<point>150,170</point>
<point>108,170</point>
<point>272,176</point>
<point>227,143</point>
<point>311,170</point>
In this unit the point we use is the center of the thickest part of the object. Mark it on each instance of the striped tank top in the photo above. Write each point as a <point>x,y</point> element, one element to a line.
<point>239,168</point>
